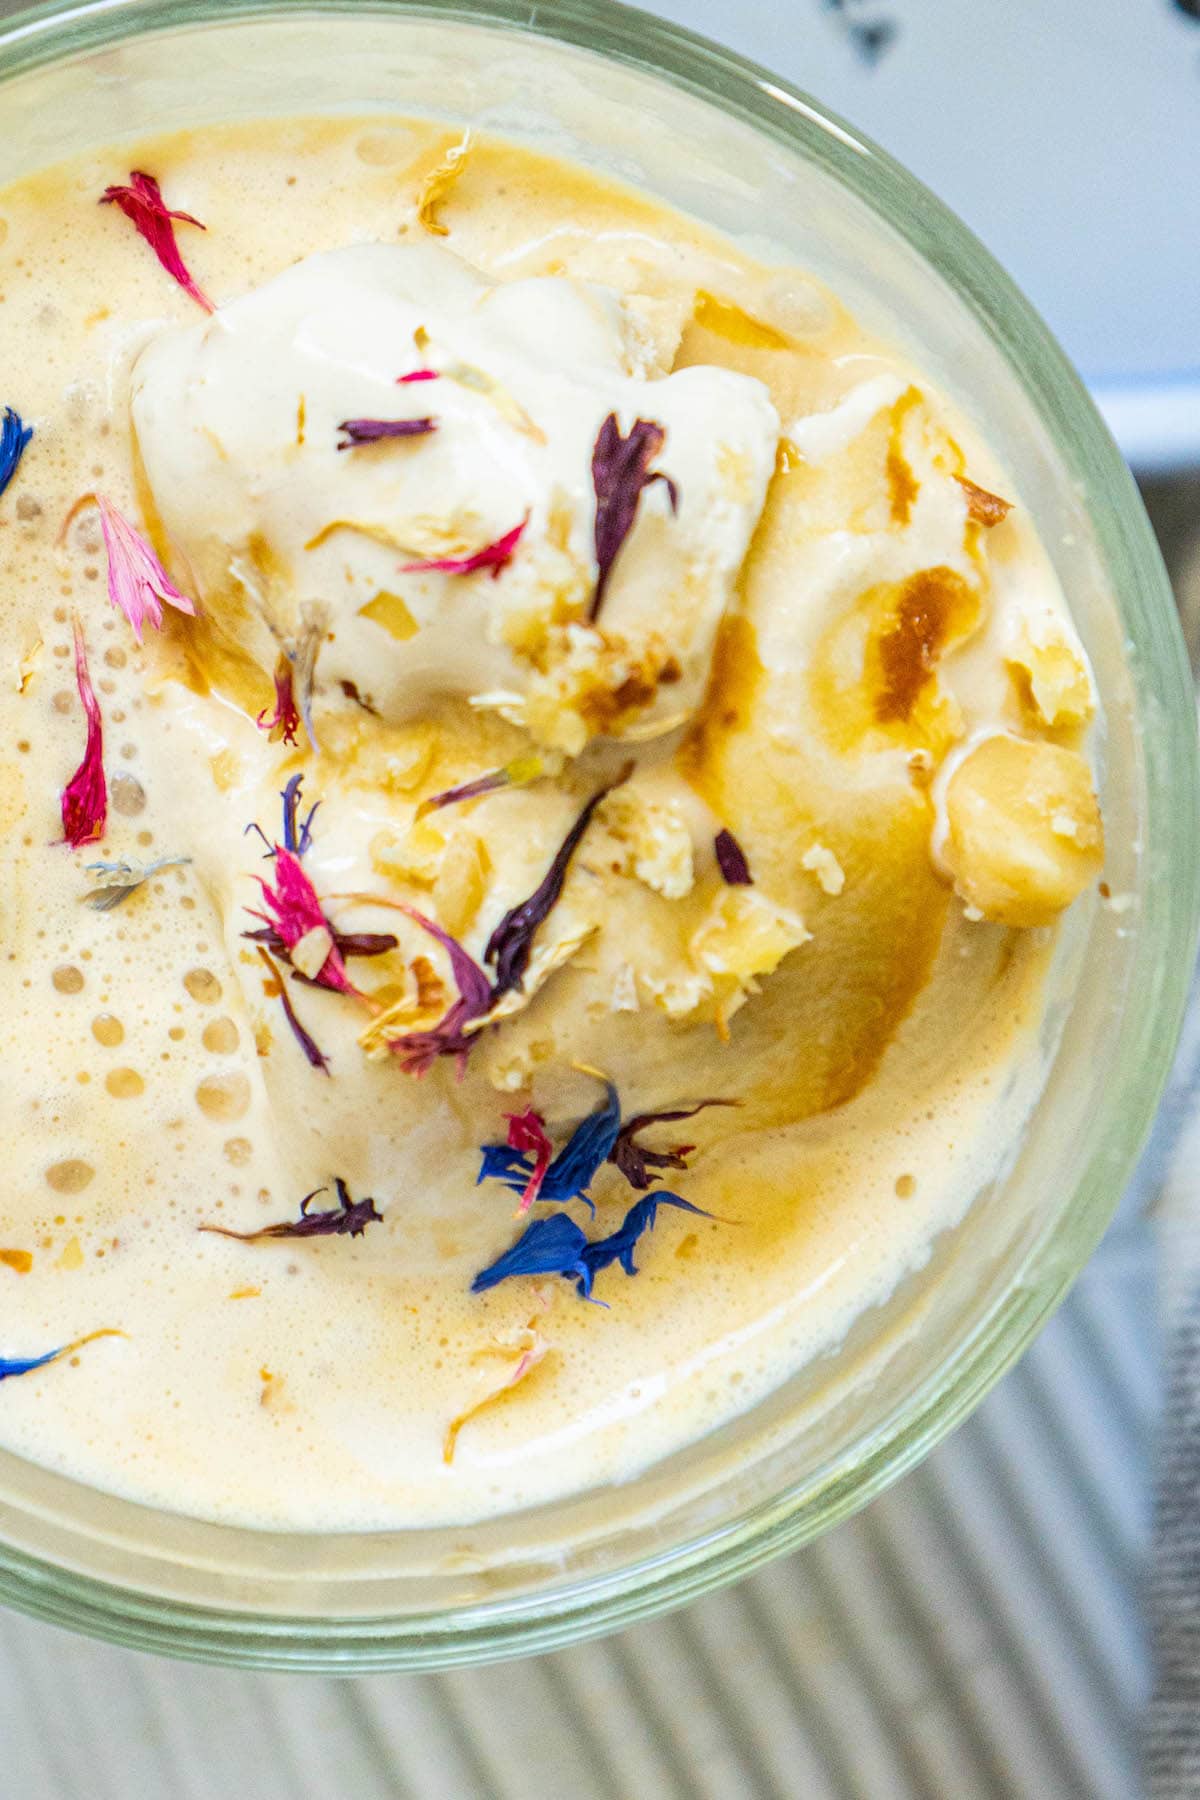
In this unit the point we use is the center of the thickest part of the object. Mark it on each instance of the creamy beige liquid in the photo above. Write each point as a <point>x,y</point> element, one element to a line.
<point>877,1032</point>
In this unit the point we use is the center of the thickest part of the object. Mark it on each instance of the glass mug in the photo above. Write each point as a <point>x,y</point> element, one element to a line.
<point>702,130</point>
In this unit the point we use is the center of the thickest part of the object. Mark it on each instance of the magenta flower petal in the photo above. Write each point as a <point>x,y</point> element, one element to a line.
<point>85,797</point>
<point>416,375</point>
<point>284,723</point>
<point>137,582</point>
<point>296,911</point>
<point>492,556</point>
<point>143,205</point>
<point>527,1133</point>
<point>620,473</point>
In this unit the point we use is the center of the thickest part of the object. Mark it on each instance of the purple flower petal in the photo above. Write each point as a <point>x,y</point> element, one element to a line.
<point>620,472</point>
<point>731,859</point>
<point>511,943</point>
<point>375,431</point>
<point>349,1218</point>
<point>636,1161</point>
<point>312,1050</point>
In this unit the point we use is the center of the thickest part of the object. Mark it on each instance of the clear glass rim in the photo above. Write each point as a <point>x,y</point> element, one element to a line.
<point>1158,981</point>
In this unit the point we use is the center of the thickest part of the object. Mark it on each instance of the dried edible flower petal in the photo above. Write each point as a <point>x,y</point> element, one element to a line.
<point>315,1056</point>
<point>620,471</point>
<point>349,1218</point>
<point>982,507</point>
<point>550,1246</point>
<point>478,381</point>
<point>641,1217</point>
<point>416,375</point>
<point>492,556</point>
<point>530,1349</point>
<point>419,1050</point>
<point>304,661</point>
<point>527,1132</point>
<point>518,773</point>
<point>284,722</point>
<point>14,437</point>
<point>143,205</point>
<point>571,1172</point>
<point>293,901</point>
<point>85,797</point>
<point>115,881</point>
<point>375,431</point>
<point>438,183</point>
<point>558,1246</point>
<point>731,860</point>
<point>636,1161</point>
<point>23,1365</point>
<point>511,943</point>
<point>349,943</point>
<point>137,582</point>
<point>296,837</point>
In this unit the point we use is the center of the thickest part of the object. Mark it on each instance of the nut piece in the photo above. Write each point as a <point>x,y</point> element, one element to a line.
<point>1024,829</point>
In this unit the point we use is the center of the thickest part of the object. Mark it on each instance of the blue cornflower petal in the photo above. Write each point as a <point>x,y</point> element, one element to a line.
<point>586,1150</point>
<point>619,1245</point>
<point>551,1246</point>
<point>14,436</point>
<point>296,836</point>
<point>22,1365</point>
<point>500,1162</point>
<point>558,1246</point>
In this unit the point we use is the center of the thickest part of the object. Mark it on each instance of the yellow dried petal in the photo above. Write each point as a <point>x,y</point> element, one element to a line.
<point>390,612</point>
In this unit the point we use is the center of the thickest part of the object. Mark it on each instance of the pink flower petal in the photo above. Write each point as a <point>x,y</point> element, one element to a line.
<point>296,911</point>
<point>143,205</point>
<point>492,556</point>
<point>137,582</point>
<point>85,797</point>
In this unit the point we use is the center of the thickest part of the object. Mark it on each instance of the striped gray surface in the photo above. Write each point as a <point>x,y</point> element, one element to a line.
<point>974,1633</point>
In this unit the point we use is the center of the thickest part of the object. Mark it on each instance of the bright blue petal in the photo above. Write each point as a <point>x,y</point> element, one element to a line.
<point>641,1217</point>
<point>500,1162</point>
<point>586,1150</point>
<point>551,1246</point>
<point>14,436</point>
<point>22,1365</point>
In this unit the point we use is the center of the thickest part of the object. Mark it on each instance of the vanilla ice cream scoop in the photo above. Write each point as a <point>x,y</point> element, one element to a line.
<point>384,407</point>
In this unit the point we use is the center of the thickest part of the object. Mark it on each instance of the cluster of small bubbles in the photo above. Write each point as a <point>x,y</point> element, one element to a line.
<point>238,1150</point>
<point>68,979</point>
